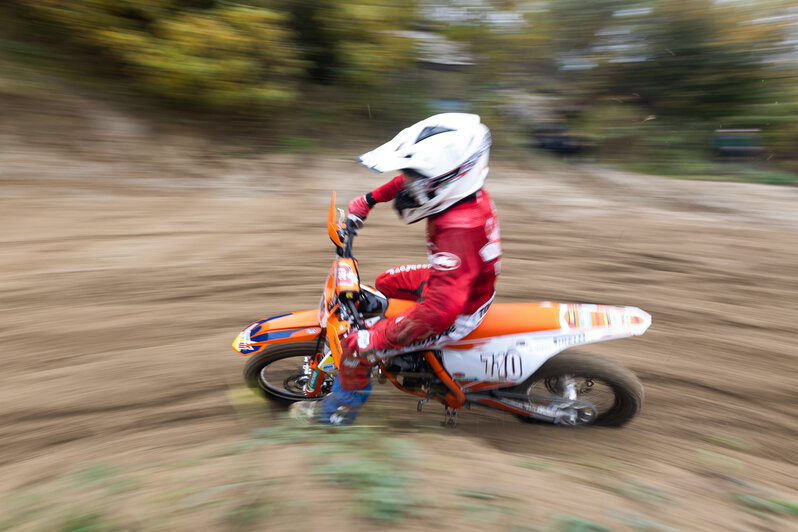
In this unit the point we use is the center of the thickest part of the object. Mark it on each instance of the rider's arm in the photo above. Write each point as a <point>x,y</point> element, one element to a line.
<point>361,205</point>
<point>455,268</point>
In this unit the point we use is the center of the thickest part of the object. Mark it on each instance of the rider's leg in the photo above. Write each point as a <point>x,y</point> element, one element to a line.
<point>341,406</point>
<point>351,389</point>
<point>403,282</point>
<point>353,385</point>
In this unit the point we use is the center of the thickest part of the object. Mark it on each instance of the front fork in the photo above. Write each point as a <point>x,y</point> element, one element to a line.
<point>313,386</point>
<point>318,366</point>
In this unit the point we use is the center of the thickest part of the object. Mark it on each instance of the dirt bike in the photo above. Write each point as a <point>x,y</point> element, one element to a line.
<point>513,361</point>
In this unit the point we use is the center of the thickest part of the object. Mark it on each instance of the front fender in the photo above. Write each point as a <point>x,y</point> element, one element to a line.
<point>294,327</point>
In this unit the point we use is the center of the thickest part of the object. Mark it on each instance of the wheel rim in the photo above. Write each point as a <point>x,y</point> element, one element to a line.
<point>287,377</point>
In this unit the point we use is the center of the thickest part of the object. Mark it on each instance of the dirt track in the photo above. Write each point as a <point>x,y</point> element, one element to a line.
<point>125,278</point>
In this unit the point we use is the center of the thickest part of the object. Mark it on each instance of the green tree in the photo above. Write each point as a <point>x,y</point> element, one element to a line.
<point>225,56</point>
<point>252,56</point>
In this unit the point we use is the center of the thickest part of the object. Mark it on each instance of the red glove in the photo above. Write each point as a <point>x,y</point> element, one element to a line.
<point>360,207</point>
<point>355,369</point>
<point>359,356</point>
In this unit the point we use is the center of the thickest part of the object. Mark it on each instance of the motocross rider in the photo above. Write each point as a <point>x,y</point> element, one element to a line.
<point>444,163</point>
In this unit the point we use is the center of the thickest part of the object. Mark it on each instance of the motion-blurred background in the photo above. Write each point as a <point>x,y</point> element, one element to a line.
<point>665,86</point>
<point>165,173</point>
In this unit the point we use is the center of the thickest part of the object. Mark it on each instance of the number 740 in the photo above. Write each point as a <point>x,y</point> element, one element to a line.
<point>502,365</point>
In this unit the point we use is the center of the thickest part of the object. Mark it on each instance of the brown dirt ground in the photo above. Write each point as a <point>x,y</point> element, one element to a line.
<point>130,265</point>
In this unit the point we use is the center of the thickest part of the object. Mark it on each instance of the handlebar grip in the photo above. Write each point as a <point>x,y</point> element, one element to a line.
<point>354,222</point>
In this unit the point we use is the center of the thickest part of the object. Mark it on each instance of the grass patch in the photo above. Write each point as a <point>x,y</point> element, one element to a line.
<point>537,465</point>
<point>709,171</point>
<point>640,491</point>
<point>571,523</point>
<point>482,495</point>
<point>222,491</point>
<point>611,481</point>
<point>720,465</point>
<point>485,514</point>
<point>730,443</point>
<point>375,468</point>
<point>248,513</point>
<point>641,524</point>
<point>768,505</point>
<point>90,521</point>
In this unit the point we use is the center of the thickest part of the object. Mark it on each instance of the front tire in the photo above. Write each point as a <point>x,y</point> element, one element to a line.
<point>278,372</point>
<point>620,390</point>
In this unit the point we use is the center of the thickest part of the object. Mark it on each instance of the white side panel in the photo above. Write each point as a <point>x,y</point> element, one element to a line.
<point>514,358</point>
<point>507,358</point>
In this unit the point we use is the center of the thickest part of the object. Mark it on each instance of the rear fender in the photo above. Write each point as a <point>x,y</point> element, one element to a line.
<point>494,355</point>
<point>294,327</point>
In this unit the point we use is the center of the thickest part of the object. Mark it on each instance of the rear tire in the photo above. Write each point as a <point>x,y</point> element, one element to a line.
<point>625,386</point>
<point>273,374</point>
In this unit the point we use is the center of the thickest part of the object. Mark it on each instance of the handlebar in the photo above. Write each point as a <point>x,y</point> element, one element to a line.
<point>353,223</point>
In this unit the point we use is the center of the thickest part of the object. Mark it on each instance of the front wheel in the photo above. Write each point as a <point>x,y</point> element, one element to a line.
<point>281,371</point>
<point>614,392</point>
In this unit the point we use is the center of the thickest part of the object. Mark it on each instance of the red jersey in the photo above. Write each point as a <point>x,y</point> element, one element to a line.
<point>464,251</point>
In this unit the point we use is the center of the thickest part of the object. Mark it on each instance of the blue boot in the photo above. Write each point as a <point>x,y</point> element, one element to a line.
<point>341,406</point>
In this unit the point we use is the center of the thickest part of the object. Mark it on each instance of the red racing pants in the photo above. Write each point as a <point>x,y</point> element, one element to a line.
<point>408,282</point>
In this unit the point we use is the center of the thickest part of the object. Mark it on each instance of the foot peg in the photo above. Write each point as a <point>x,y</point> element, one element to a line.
<point>450,418</point>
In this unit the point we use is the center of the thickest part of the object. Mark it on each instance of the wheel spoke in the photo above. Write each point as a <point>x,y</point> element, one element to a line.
<point>580,388</point>
<point>281,371</point>
<point>287,376</point>
<point>584,398</point>
<point>569,388</point>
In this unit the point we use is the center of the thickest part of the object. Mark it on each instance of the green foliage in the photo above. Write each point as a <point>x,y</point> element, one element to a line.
<point>367,46</point>
<point>694,68</point>
<point>357,48</point>
<point>615,127</point>
<point>375,468</point>
<point>250,57</point>
<point>226,57</point>
<point>647,82</point>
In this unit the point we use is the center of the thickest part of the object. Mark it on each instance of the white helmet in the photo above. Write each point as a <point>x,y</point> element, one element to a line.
<point>446,158</point>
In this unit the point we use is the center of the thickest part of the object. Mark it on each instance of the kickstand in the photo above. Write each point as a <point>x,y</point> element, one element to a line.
<point>450,418</point>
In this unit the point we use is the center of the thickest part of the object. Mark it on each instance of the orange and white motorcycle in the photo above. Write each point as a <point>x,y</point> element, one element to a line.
<point>513,361</point>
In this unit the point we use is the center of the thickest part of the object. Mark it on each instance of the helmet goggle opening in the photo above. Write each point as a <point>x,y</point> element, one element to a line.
<point>413,174</point>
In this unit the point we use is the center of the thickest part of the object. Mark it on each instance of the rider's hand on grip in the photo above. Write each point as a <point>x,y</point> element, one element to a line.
<point>355,367</point>
<point>359,342</point>
<point>360,208</point>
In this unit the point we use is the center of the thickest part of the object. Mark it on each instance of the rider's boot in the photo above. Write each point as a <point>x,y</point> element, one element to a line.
<point>305,412</point>
<point>349,392</point>
<point>341,406</point>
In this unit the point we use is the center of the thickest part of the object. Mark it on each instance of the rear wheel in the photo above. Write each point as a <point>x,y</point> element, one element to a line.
<point>281,371</point>
<point>613,392</point>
